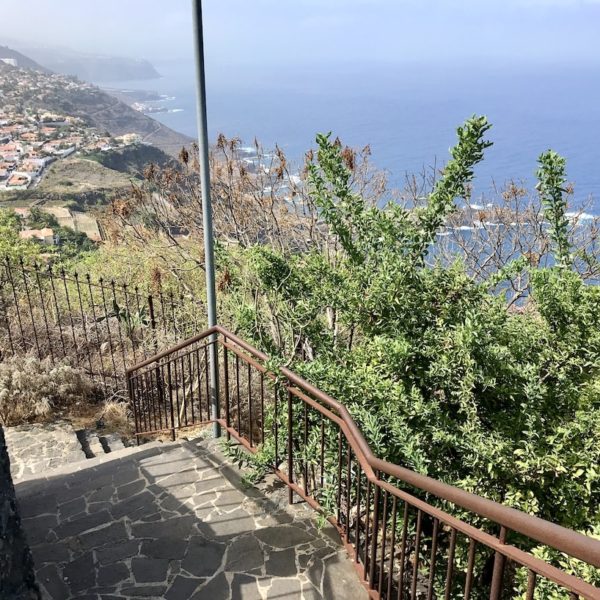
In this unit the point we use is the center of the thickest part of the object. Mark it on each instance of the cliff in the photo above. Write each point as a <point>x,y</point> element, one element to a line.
<point>23,62</point>
<point>91,67</point>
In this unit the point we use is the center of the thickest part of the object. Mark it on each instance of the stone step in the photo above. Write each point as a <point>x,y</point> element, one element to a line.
<point>40,447</point>
<point>43,448</point>
<point>90,443</point>
<point>124,454</point>
<point>112,442</point>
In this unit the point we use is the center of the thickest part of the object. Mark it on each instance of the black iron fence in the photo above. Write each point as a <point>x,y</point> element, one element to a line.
<point>97,325</point>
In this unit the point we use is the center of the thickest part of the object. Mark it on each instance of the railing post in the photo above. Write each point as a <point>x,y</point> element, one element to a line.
<point>290,448</point>
<point>374,534</point>
<point>170,380</point>
<point>498,575</point>
<point>213,359</point>
<point>133,405</point>
<point>226,393</point>
<point>152,321</point>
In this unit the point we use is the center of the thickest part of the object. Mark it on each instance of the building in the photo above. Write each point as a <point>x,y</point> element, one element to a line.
<point>18,181</point>
<point>45,236</point>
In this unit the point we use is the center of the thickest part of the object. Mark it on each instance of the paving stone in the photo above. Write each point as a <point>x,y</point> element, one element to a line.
<point>130,489</point>
<point>39,447</point>
<point>80,525</point>
<point>105,535</point>
<point>182,587</point>
<point>244,554</point>
<point>38,527</point>
<point>166,547</point>
<point>215,589</point>
<point>287,588</point>
<point>223,526</point>
<point>72,508</point>
<point>102,494</point>
<point>245,587</point>
<point>52,582</point>
<point>282,563</point>
<point>180,527</point>
<point>310,593</point>
<point>134,508</point>
<point>149,570</point>
<point>339,575</point>
<point>143,591</point>
<point>191,531</point>
<point>37,504</point>
<point>46,553</point>
<point>284,536</point>
<point>203,558</point>
<point>117,551</point>
<point>80,574</point>
<point>110,575</point>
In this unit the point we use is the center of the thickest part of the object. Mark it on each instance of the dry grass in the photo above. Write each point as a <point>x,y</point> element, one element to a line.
<point>37,390</point>
<point>77,175</point>
<point>116,417</point>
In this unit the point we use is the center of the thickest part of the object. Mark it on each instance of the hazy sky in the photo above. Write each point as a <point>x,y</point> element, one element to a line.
<point>308,31</point>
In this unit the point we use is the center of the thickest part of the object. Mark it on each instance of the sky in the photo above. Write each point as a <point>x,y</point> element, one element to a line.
<point>281,32</point>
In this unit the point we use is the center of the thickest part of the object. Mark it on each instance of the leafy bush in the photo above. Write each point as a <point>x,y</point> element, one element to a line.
<point>501,401</point>
<point>32,389</point>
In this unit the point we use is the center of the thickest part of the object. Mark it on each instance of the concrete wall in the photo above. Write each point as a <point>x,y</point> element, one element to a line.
<point>17,581</point>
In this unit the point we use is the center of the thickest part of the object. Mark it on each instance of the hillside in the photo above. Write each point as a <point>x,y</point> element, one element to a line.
<point>92,67</point>
<point>23,62</point>
<point>97,108</point>
<point>106,113</point>
<point>78,180</point>
<point>132,159</point>
<point>78,176</point>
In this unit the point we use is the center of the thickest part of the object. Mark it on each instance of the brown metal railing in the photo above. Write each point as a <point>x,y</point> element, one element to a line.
<point>409,536</point>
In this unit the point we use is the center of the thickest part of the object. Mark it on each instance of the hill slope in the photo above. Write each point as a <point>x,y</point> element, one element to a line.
<point>107,113</point>
<point>92,67</point>
<point>23,62</point>
<point>101,110</point>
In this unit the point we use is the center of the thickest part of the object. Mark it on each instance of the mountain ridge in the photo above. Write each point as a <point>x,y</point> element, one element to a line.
<point>23,61</point>
<point>93,67</point>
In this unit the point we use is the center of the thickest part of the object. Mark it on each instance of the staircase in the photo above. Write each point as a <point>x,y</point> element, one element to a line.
<point>38,448</point>
<point>172,521</point>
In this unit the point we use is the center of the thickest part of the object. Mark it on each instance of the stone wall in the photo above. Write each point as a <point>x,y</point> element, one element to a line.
<point>17,581</point>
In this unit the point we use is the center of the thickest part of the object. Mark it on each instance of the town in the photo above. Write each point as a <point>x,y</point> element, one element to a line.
<point>32,136</point>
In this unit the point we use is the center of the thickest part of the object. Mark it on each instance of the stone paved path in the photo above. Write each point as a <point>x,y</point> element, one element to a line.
<point>174,521</point>
<point>36,448</point>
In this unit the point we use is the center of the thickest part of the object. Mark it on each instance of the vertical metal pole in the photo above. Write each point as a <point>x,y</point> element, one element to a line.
<point>209,265</point>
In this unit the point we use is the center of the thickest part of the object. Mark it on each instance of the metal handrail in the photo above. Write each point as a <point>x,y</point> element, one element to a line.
<point>565,540</point>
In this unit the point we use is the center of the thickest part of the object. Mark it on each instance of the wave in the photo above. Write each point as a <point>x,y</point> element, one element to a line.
<point>175,110</point>
<point>580,216</point>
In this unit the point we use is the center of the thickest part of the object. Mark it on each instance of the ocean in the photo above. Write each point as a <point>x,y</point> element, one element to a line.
<point>408,114</point>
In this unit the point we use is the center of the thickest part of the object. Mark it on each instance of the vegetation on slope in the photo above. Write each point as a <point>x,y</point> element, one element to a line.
<point>132,159</point>
<point>490,381</point>
<point>443,373</point>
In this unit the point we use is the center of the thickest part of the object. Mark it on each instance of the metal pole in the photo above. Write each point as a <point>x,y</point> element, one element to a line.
<point>209,265</point>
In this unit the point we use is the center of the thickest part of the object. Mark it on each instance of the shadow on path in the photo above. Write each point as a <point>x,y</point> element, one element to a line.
<point>174,521</point>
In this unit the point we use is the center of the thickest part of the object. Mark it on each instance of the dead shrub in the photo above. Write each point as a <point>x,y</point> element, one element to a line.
<point>115,416</point>
<point>33,389</point>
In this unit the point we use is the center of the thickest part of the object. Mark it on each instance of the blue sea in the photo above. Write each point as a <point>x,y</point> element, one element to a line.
<point>408,114</point>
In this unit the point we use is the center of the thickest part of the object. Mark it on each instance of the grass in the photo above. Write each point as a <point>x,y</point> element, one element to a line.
<point>79,175</point>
